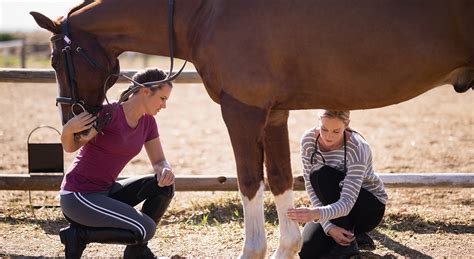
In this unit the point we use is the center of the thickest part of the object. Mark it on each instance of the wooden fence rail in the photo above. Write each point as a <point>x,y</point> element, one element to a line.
<point>17,75</point>
<point>229,183</point>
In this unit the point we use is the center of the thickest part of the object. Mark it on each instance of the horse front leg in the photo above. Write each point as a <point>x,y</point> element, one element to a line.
<point>245,125</point>
<point>278,164</point>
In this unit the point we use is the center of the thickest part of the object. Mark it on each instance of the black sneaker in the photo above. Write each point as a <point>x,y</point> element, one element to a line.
<point>342,252</point>
<point>72,241</point>
<point>365,242</point>
<point>140,251</point>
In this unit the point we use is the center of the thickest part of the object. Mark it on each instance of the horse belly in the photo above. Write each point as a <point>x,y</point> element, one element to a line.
<point>326,55</point>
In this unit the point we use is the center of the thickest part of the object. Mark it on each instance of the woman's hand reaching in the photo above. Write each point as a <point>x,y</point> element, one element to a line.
<point>303,214</point>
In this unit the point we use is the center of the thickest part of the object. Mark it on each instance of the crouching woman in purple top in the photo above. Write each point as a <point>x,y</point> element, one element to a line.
<point>100,208</point>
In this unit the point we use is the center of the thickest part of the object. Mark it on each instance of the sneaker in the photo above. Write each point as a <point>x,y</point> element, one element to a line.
<point>365,242</point>
<point>338,251</point>
<point>141,251</point>
<point>72,241</point>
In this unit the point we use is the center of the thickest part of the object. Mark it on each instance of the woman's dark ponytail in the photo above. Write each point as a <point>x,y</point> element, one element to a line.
<point>148,75</point>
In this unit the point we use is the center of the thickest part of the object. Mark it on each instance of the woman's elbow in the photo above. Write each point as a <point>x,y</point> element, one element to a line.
<point>347,207</point>
<point>345,213</point>
<point>69,149</point>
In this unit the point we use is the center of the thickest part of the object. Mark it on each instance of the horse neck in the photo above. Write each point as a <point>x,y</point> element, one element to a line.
<point>138,25</point>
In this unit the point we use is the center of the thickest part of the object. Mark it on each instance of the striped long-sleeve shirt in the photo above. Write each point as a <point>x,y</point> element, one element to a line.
<point>360,174</point>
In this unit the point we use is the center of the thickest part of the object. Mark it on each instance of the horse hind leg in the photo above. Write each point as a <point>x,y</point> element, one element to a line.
<point>245,125</point>
<point>278,165</point>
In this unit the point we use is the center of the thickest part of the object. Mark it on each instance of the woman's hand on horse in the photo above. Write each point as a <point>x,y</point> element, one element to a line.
<point>341,235</point>
<point>303,214</point>
<point>166,177</point>
<point>79,123</point>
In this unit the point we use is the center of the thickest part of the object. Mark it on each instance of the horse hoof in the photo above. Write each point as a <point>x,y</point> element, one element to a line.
<point>284,254</point>
<point>252,253</point>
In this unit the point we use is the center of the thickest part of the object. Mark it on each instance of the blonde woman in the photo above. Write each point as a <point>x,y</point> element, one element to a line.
<point>348,199</point>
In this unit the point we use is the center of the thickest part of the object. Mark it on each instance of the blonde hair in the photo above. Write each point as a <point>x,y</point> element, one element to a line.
<point>344,116</point>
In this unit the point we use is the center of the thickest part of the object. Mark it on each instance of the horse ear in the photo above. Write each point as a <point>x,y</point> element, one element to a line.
<point>45,23</point>
<point>80,6</point>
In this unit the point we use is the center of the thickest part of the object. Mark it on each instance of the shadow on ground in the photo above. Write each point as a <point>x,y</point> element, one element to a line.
<point>415,223</point>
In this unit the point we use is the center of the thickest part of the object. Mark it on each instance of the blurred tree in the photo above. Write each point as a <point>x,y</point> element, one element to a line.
<point>6,36</point>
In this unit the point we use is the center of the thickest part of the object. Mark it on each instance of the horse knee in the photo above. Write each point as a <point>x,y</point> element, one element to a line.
<point>249,186</point>
<point>280,182</point>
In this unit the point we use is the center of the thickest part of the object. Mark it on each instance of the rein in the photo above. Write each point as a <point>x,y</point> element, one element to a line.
<point>74,101</point>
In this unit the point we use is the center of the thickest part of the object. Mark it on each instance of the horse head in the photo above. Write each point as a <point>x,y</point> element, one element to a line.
<point>84,69</point>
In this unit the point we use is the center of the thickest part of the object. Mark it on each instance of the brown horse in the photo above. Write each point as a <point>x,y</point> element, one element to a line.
<point>261,58</point>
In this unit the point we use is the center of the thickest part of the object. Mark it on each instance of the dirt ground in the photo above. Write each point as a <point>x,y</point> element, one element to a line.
<point>430,133</point>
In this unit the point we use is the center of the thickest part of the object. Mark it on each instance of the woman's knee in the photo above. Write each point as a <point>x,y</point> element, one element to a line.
<point>150,228</point>
<point>315,241</point>
<point>168,191</point>
<point>150,188</point>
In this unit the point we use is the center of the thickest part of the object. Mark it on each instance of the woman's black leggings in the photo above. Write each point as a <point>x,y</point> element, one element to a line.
<point>364,216</point>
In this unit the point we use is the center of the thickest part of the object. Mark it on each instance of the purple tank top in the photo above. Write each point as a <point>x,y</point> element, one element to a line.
<point>99,162</point>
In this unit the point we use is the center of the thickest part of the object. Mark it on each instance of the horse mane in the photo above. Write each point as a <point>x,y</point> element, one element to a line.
<point>80,6</point>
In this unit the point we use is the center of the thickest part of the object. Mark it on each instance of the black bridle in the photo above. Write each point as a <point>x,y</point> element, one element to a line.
<point>68,53</point>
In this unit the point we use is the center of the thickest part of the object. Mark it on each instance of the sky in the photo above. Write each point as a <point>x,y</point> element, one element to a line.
<point>14,14</point>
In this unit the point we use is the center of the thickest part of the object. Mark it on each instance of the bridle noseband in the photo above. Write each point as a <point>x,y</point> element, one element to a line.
<point>68,52</point>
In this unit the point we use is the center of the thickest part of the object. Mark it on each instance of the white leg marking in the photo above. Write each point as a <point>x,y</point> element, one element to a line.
<point>255,244</point>
<point>290,236</point>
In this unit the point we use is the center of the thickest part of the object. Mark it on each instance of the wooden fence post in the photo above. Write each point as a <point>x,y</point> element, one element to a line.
<point>23,53</point>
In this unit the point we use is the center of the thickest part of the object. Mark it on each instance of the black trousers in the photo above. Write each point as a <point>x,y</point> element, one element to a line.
<point>364,216</point>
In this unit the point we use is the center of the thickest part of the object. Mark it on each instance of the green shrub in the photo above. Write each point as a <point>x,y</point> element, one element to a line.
<point>6,36</point>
